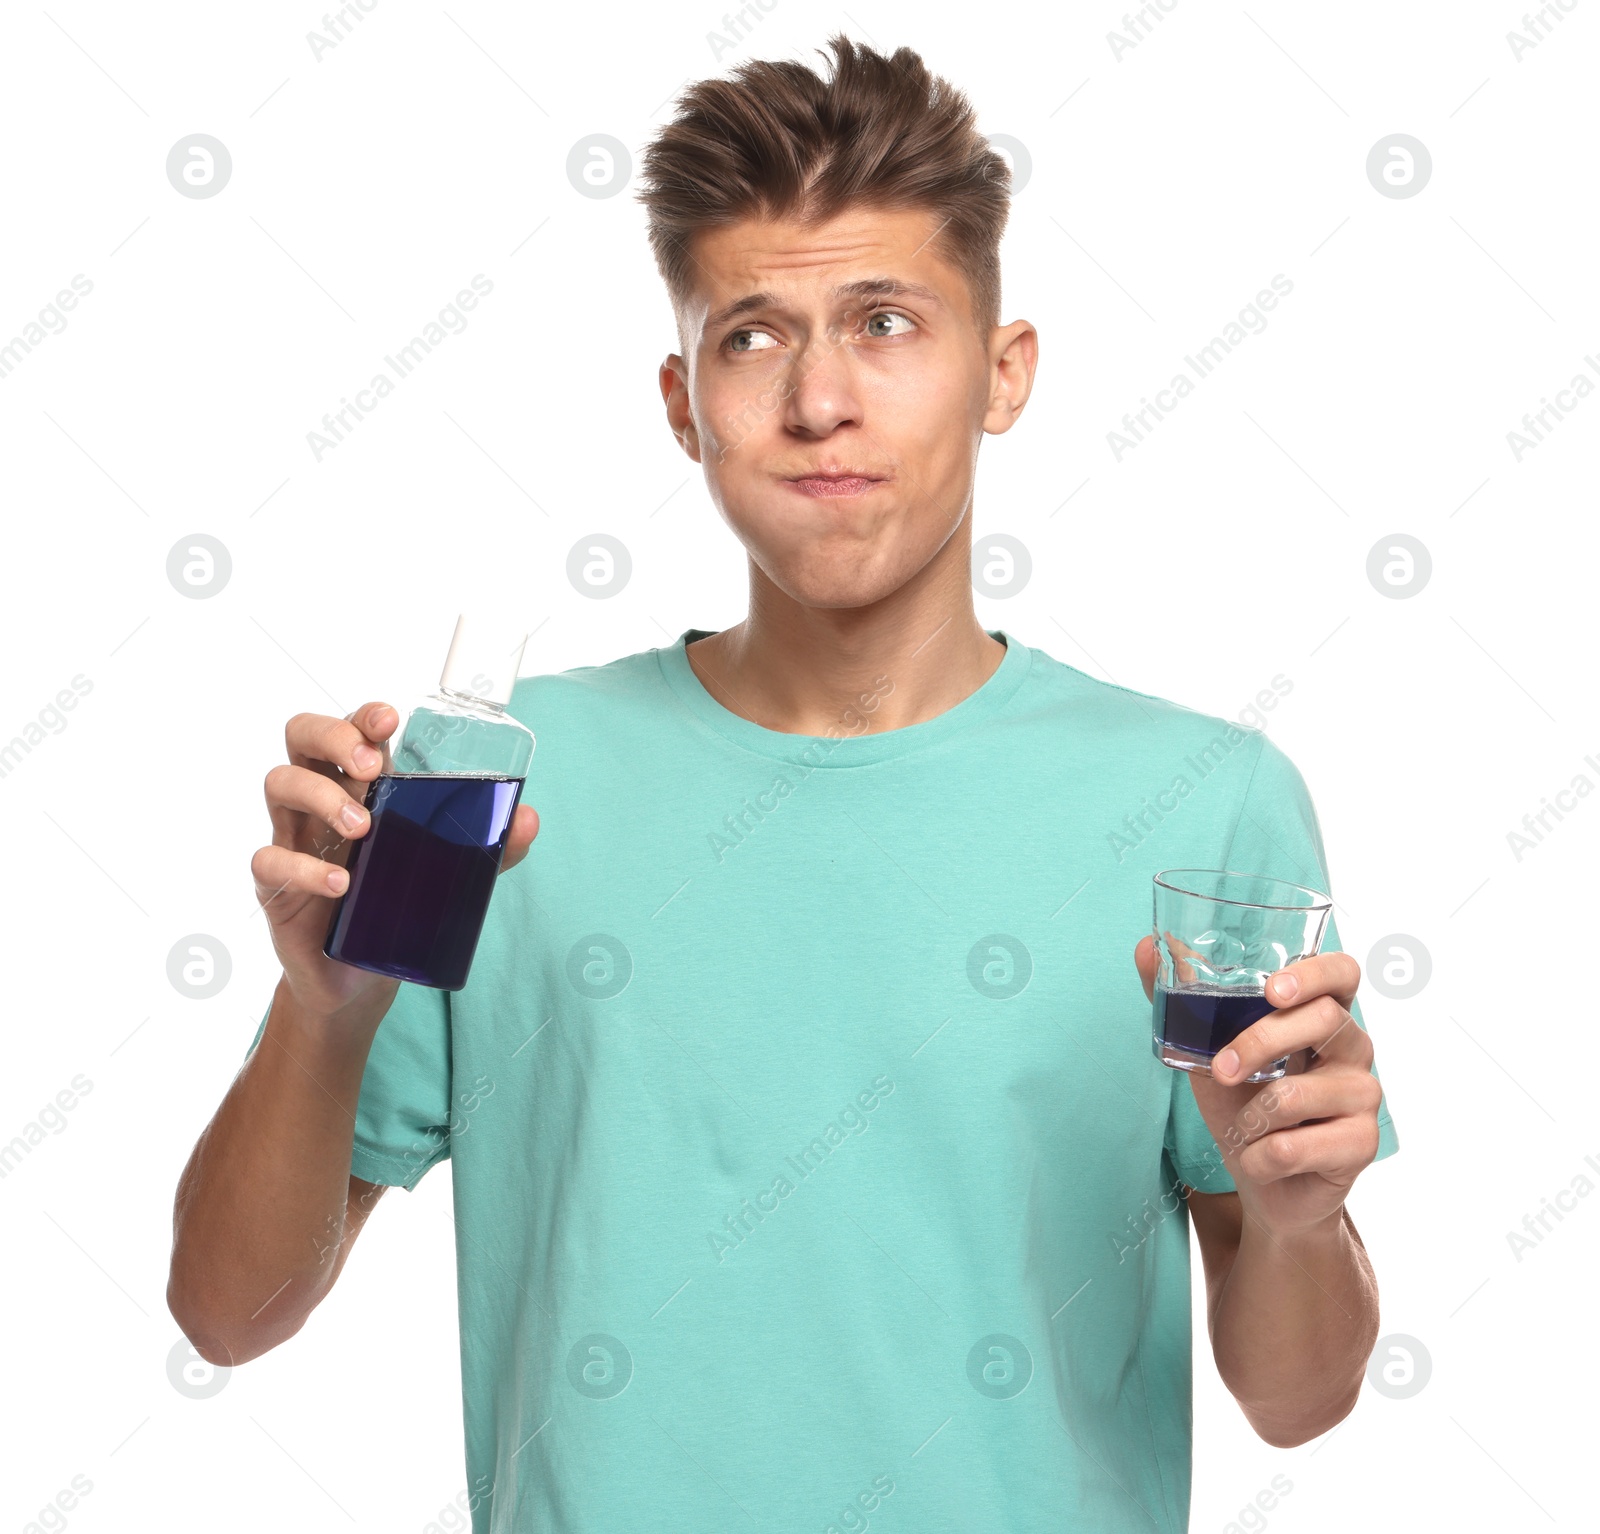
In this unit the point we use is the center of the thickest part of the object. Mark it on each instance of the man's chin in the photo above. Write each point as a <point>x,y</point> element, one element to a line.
<point>842,578</point>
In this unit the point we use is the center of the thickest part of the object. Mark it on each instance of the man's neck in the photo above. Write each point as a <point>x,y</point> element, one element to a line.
<point>848,671</point>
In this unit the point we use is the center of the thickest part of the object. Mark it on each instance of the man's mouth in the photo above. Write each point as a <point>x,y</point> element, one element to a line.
<point>835,482</point>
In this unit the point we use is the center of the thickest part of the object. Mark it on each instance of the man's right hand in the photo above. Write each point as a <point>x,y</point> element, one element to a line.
<point>316,804</point>
<point>267,1207</point>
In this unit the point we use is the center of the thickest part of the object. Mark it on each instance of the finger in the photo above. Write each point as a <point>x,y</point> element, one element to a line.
<point>1144,960</point>
<point>1321,1025</point>
<point>1337,1150</point>
<point>1342,1092</point>
<point>300,790</point>
<point>276,870</point>
<point>524,827</point>
<point>1182,955</point>
<point>377,721</point>
<point>357,746</point>
<point>1327,974</point>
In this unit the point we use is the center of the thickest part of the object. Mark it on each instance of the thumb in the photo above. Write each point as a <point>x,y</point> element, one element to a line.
<point>524,827</point>
<point>1144,960</point>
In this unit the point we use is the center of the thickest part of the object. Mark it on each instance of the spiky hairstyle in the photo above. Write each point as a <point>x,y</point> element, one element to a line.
<point>780,141</point>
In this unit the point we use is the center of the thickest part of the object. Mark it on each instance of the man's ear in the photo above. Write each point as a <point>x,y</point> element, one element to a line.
<point>1014,358</point>
<point>673,379</point>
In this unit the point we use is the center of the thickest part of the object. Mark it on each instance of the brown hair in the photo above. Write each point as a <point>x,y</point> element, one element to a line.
<point>778,141</point>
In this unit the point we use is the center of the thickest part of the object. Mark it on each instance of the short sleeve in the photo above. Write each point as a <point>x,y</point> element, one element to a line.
<point>403,1115</point>
<point>1275,833</point>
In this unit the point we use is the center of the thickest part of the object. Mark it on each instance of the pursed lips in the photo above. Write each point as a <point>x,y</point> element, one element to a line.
<point>835,482</point>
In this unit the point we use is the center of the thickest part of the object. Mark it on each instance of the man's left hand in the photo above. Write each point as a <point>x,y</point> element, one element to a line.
<point>1293,1146</point>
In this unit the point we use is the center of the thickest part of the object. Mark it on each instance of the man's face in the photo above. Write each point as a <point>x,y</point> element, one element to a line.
<point>847,348</point>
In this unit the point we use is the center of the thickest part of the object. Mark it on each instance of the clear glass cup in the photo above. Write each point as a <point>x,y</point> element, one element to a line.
<point>1219,935</point>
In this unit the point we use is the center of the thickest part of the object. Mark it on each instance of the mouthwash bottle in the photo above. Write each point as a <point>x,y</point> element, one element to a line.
<point>421,878</point>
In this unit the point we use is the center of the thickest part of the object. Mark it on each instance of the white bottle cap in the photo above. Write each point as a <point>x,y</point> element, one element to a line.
<point>485,654</point>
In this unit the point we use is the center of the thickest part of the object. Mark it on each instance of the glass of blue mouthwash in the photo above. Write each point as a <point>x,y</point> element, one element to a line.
<point>1219,936</point>
<point>422,876</point>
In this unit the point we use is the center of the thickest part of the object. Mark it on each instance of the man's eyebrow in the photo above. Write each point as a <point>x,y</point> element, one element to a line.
<point>864,290</point>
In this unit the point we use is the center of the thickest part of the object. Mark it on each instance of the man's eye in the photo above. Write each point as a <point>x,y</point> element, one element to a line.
<point>883,316</point>
<point>750,341</point>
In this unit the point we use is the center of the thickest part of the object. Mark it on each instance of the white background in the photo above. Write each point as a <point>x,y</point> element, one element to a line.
<point>1168,186</point>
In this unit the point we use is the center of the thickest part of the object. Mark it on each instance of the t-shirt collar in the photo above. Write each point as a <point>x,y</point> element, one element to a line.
<point>848,748</point>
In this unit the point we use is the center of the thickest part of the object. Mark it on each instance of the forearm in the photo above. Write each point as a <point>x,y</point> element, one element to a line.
<point>260,1216</point>
<point>1293,1327</point>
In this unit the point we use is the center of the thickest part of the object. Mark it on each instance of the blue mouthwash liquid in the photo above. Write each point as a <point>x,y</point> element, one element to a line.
<point>421,878</point>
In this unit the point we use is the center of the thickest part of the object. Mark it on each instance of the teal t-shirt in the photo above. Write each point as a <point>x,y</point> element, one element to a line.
<point>812,1166</point>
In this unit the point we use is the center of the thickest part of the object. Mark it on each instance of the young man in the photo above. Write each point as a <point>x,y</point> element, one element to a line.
<point>812,1166</point>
